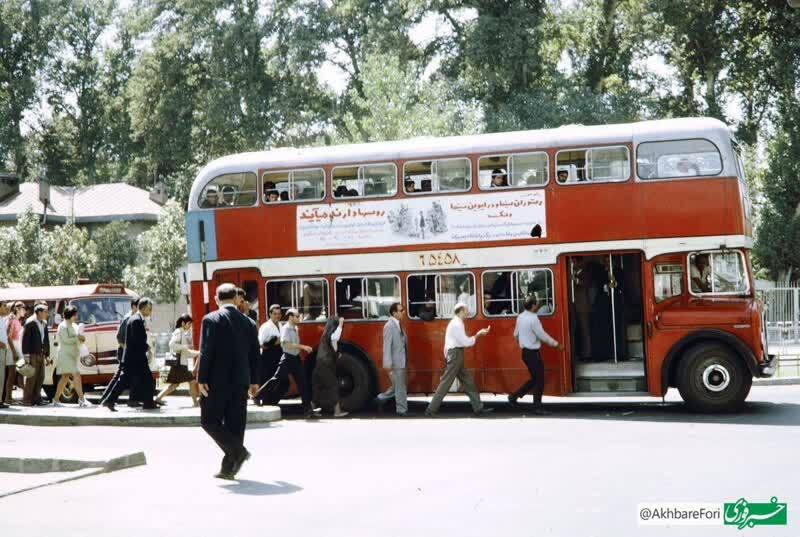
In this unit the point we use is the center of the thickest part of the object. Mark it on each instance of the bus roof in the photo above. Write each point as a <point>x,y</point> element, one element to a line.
<point>423,147</point>
<point>61,292</point>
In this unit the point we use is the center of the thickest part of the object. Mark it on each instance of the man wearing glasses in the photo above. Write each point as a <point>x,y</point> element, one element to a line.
<point>394,360</point>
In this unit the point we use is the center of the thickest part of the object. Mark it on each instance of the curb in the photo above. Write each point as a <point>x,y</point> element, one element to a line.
<point>132,419</point>
<point>788,381</point>
<point>80,469</point>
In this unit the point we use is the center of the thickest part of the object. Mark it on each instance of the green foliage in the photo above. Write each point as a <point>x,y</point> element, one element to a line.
<point>115,252</point>
<point>69,255</point>
<point>164,249</point>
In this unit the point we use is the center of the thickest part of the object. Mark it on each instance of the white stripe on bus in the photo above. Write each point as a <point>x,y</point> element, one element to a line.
<point>461,258</point>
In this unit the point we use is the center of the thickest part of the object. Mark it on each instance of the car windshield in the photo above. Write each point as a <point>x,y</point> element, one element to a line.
<point>101,309</point>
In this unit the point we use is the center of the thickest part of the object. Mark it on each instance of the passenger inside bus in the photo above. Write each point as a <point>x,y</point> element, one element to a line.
<point>228,196</point>
<point>499,296</point>
<point>701,274</point>
<point>284,196</point>
<point>340,192</point>
<point>686,168</point>
<point>499,178</point>
<point>563,175</point>
<point>411,186</point>
<point>273,196</point>
<point>212,197</point>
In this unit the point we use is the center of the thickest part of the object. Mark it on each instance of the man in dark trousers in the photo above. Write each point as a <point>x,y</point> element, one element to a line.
<point>136,373</point>
<point>229,356</point>
<point>36,351</point>
<point>123,325</point>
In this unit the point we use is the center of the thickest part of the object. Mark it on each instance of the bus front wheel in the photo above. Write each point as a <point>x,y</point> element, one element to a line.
<point>712,378</point>
<point>354,385</point>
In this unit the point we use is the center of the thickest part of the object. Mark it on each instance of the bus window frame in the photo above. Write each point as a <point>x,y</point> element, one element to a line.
<point>588,160</point>
<point>363,278</point>
<point>640,179</point>
<point>513,298</point>
<point>746,293</point>
<point>436,285</point>
<point>359,167</point>
<point>508,173</point>
<point>291,172</point>
<point>258,199</point>
<point>436,192</point>
<point>292,281</point>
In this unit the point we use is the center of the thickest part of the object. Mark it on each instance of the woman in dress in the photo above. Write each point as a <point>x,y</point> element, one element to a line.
<point>181,344</point>
<point>324,382</point>
<point>69,342</point>
<point>15,337</point>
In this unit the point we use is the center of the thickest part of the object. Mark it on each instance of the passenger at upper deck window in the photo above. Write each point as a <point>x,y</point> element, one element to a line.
<point>212,197</point>
<point>499,178</point>
<point>411,186</point>
<point>352,193</point>
<point>269,189</point>
<point>700,273</point>
<point>340,192</point>
<point>228,195</point>
<point>272,196</point>
<point>563,175</point>
<point>686,168</point>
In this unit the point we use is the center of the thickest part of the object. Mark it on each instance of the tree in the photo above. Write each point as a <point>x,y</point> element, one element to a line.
<point>395,103</point>
<point>162,251</point>
<point>69,255</point>
<point>115,252</point>
<point>26,31</point>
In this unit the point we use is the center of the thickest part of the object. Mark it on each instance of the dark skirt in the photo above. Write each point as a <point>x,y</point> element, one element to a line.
<point>179,374</point>
<point>324,384</point>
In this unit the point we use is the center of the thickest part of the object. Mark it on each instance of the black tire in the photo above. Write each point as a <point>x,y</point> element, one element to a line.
<point>712,378</point>
<point>354,382</point>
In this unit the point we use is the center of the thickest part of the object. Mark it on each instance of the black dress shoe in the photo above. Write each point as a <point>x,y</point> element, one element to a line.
<point>110,406</point>
<point>513,401</point>
<point>134,404</point>
<point>3,405</point>
<point>150,407</point>
<point>483,412</point>
<point>237,464</point>
<point>225,475</point>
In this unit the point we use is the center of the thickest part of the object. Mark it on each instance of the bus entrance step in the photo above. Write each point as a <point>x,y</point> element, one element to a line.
<point>625,384</point>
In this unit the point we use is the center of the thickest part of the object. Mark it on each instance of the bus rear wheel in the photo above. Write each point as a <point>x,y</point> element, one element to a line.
<point>354,385</point>
<point>711,378</point>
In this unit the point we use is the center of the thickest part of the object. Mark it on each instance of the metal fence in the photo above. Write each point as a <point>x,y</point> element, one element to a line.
<point>782,316</point>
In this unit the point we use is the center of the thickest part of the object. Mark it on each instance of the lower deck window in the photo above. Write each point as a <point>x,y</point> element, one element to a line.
<point>309,297</point>
<point>505,292</point>
<point>434,296</point>
<point>366,298</point>
<point>718,272</point>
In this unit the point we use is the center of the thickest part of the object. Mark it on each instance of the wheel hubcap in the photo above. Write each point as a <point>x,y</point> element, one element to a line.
<point>716,378</point>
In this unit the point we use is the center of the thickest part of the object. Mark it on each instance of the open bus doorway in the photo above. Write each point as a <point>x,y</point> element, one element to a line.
<point>606,322</point>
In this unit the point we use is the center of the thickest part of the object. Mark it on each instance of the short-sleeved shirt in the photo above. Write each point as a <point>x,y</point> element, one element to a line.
<point>289,335</point>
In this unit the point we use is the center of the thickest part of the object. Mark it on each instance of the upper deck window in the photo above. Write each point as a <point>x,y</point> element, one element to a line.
<point>594,165</point>
<point>229,190</point>
<point>443,175</point>
<point>365,181</point>
<point>512,171</point>
<point>677,158</point>
<point>719,272</point>
<point>294,185</point>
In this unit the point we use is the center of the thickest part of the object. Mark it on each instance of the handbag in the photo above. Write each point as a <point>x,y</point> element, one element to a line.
<point>25,369</point>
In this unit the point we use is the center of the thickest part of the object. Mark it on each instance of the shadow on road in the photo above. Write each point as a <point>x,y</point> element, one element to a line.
<point>754,413</point>
<point>248,487</point>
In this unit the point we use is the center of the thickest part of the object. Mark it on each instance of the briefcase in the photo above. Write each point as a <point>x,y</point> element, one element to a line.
<point>25,369</point>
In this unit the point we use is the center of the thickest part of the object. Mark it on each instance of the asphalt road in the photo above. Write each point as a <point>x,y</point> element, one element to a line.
<point>580,471</point>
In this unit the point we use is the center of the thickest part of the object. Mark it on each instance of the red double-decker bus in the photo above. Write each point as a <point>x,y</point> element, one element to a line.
<point>633,238</point>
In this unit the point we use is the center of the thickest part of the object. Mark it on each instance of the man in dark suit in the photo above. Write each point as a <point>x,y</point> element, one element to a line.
<point>229,354</point>
<point>36,351</point>
<point>136,373</point>
<point>121,331</point>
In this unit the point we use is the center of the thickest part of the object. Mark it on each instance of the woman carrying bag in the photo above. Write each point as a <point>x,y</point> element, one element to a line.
<point>325,384</point>
<point>180,345</point>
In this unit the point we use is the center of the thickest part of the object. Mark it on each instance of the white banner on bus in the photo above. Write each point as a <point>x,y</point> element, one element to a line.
<point>425,220</point>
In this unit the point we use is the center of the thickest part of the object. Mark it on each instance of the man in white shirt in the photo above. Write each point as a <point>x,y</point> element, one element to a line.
<point>269,338</point>
<point>530,334</point>
<point>455,341</point>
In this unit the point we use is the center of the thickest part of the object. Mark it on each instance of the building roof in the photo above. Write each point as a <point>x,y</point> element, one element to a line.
<point>426,148</point>
<point>91,204</point>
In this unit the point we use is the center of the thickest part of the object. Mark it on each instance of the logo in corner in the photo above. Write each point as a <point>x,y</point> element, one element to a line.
<point>743,514</point>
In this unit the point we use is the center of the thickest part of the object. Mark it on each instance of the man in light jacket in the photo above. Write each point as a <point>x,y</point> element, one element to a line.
<point>394,360</point>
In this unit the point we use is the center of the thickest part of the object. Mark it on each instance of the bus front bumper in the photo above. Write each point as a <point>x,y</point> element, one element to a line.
<point>768,368</point>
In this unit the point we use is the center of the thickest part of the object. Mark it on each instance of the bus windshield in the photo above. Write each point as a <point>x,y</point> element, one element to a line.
<point>101,309</point>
